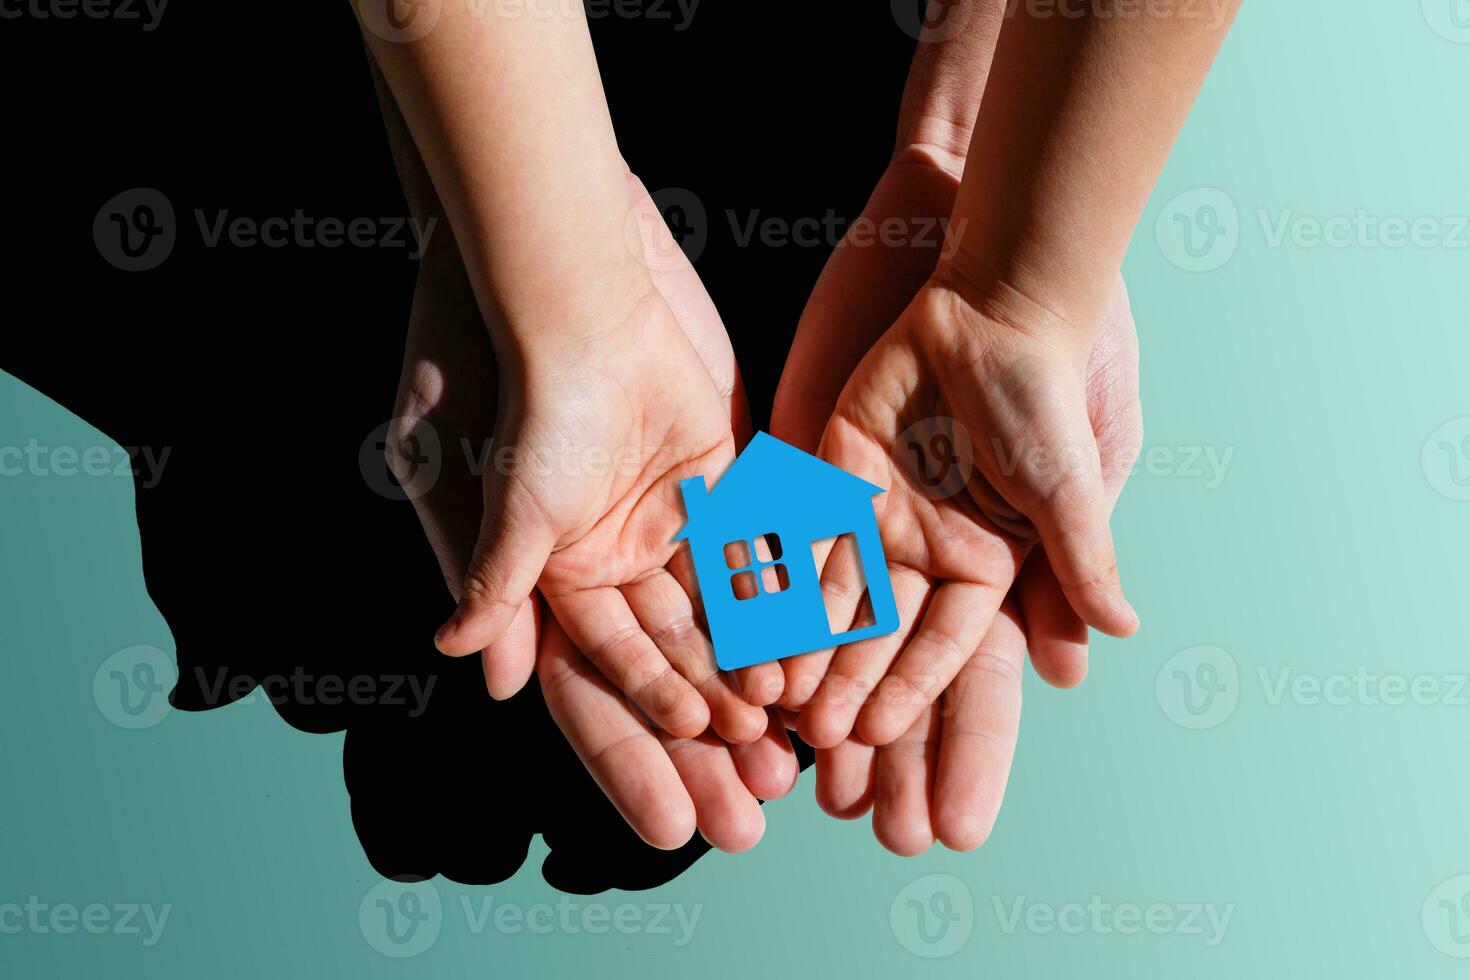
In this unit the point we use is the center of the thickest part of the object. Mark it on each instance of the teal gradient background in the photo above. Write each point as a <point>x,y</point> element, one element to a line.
<point>1327,540</point>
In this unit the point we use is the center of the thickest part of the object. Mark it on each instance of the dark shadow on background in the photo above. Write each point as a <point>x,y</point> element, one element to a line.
<point>263,371</point>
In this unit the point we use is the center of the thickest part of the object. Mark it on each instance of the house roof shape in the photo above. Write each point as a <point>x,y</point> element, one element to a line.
<point>766,467</point>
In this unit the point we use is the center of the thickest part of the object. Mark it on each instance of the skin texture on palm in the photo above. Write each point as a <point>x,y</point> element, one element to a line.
<point>954,554</point>
<point>590,501</point>
<point>587,507</point>
<point>977,717</point>
<point>945,777</point>
<point>665,787</point>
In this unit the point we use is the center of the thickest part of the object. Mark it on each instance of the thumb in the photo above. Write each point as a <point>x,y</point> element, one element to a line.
<point>514,543</point>
<point>1072,519</point>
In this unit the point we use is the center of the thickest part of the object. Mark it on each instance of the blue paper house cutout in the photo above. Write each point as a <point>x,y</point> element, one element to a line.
<point>763,598</point>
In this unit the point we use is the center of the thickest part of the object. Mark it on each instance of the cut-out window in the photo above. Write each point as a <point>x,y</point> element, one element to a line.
<point>737,555</point>
<point>756,566</point>
<point>774,579</point>
<point>841,568</point>
<point>743,584</point>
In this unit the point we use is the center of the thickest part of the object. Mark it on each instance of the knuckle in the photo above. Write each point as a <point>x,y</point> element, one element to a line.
<point>1096,578</point>
<point>1004,744</point>
<point>839,592</point>
<point>997,666</point>
<point>901,690</point>
<point>678,635</point>
<point>479,587</point>
<point>662,692</point>
<point>948,648</point>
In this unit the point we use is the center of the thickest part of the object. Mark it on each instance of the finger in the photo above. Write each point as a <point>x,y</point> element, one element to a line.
<point>509,661</point>
<point>902,776</point>
<point>617,748</point>
<point>666,615</point>
<point>768,766</point>
<point>981,718</point>
<point>727,815</point>
<point>1072,520</point>
<point>761,684</point>
<point>448,512</point>
<point>858,667</point>
<point>603,627</point>
<point>515,541</point>
<point>958,614</point>
<point>802,676</point>
<point>843,589</point>
<point>845,779</point>
<point>1055,635</point>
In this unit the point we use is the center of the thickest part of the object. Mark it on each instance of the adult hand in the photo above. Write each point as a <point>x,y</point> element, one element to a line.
<point>996,346</point>
<point>1013,401</point>
<point>945,777</point>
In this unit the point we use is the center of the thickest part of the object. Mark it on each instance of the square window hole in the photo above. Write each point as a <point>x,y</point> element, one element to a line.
<point>768,547</point>
<point>737,555</point>
<point>744,585</point>
<point>775,579</point>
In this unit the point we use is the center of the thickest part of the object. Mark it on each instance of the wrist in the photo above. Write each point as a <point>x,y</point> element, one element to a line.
<point>563,323</point>
<point>980,296</point>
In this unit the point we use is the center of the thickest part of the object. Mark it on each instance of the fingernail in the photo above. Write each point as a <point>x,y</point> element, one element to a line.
<point>446,632</point>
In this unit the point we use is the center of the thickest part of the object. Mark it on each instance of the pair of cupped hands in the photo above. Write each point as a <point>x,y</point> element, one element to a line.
<point>559,544</point>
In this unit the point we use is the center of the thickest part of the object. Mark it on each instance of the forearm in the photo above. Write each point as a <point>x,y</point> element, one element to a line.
<point>509,116</point>
<point>423,202</point>
<point>946,79</point>
<point>1078,117</point>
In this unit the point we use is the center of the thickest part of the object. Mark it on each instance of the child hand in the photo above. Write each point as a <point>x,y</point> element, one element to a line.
<point>663,786</point>
<point>581,499</point>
